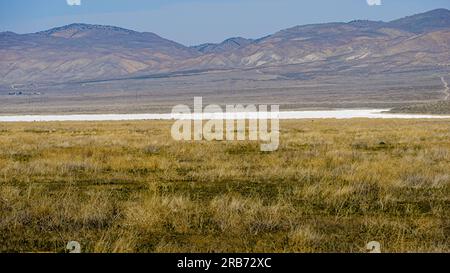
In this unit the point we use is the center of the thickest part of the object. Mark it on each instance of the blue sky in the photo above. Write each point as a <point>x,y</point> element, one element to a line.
<point>198,21</point>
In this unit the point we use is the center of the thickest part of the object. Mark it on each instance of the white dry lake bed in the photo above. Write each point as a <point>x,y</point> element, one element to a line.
<point>323,114</point>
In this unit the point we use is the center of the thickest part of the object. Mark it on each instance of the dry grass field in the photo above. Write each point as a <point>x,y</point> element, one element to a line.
<point>332,186</point>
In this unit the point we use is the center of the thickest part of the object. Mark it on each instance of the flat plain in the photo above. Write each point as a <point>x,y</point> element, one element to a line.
<point>333,186</point>
<point>302,91</point>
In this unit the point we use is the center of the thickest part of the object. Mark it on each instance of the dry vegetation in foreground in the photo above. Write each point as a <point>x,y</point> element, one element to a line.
<point>127,187</point>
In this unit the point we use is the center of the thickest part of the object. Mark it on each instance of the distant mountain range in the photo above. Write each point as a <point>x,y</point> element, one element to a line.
<point>81,52</point>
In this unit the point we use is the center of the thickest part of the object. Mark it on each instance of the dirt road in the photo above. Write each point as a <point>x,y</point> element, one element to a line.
<point>446,89</point>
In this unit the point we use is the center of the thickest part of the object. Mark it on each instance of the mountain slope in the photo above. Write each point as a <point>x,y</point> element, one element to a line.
<point>419,40</point>
<point>425,22</point>
<point>81,52</point>
<point>226,46</point>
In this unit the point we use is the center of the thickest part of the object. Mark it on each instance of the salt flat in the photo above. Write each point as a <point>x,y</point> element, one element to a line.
<point>328,114</point>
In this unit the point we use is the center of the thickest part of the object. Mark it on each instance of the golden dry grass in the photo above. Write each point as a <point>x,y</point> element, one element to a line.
<point>332,186</point>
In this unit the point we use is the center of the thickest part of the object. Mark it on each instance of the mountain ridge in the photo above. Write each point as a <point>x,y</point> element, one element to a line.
<point>87,52</point>
<point>397,23</point>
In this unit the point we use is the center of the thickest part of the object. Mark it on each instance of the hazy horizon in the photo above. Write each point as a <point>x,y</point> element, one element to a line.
<point>195,22</point>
